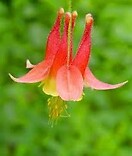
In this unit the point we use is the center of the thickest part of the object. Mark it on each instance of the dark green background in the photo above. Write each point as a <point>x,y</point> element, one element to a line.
<point>101,124</point>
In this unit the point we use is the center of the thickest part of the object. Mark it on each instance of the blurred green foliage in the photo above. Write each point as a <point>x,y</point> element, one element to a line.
<point>101,124</point>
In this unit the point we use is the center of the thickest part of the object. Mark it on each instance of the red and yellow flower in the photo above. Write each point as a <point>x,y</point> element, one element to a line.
<point>62,75</point>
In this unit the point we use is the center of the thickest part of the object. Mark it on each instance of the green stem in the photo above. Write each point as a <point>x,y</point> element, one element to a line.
<point>70,5</point>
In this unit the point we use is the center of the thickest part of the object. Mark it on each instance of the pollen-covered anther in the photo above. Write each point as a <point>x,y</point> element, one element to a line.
<point>89,18</point>
<point>66,107</point>
<point>56,107</point>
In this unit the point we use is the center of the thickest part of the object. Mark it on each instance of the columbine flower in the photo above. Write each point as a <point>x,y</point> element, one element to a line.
<point>62,76</point>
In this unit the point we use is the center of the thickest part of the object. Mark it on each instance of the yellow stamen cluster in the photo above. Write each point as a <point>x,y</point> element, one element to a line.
<point>57,108</point>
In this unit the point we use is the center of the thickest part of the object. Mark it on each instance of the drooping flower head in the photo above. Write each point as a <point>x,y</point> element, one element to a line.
<point>61,75</point>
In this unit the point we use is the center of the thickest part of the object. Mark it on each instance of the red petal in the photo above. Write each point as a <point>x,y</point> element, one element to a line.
<point>91,81</point>
<point>38,73</point>
<point>74,16</point>
<point>54,37</point>
<point>69,83</point>
<point>61,55</point>
<point>83,53</point>
<point>29,64</point>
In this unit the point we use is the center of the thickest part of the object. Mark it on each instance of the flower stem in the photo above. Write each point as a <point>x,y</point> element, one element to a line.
<point>70,5</point>
<point>69,35</point>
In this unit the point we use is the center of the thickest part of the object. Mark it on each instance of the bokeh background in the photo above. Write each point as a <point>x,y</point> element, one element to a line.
<point>101,124</point>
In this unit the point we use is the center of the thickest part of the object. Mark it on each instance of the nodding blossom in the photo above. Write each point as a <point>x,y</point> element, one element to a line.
<point>62,75</point>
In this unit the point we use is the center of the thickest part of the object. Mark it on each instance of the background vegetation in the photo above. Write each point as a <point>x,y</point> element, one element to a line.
<point>101,124</point>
